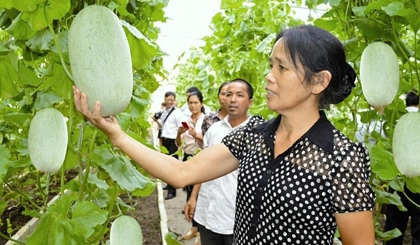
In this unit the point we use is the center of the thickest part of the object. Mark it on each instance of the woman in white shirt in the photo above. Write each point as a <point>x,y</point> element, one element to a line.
<point>191,140</point>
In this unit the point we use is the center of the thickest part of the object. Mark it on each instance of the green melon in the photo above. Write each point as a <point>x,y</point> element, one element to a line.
<point>379,74</point>
<point>406,144</point>
<point>126,230</point>
<point>100,59</point>
<point>47,140</point>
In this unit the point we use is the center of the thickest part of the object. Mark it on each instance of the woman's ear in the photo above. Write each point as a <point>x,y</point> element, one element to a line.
<point>320,81</point>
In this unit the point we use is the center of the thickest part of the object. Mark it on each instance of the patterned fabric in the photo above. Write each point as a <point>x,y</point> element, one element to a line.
<point>292,199</point>
<point>210,118</point>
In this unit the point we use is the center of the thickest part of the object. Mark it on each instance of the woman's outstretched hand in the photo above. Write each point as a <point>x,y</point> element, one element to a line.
<point>108,125</point>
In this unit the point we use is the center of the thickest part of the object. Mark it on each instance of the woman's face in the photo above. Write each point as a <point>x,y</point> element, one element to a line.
<point>286,88</point>
<point>194,104</point>
<point>222,96</point>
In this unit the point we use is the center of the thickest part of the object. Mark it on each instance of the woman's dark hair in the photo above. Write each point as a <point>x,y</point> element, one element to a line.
<point>192,89</point>
<point>221,86</point>
<point>317,50</point>
<point>200,98</point>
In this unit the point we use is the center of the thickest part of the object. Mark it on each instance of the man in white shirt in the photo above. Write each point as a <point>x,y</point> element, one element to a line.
<point>214,209</point>
<point>170,120</point>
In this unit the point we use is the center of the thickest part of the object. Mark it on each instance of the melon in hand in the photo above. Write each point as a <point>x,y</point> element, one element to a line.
<point>100,59</point>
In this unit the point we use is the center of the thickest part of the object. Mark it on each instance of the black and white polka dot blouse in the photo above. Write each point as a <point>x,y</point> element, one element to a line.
<point>292,199</point>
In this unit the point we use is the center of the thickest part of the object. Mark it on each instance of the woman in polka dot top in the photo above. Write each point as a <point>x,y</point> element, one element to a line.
<point>299,178</point>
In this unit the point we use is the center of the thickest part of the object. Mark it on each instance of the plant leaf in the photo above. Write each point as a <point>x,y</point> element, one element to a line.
<point>4,160</point>
<point>122,171</point>
<point>66,225</point>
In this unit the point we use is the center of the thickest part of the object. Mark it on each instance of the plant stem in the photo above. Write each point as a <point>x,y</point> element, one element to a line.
<point>47,188</point>
<point>25,196</point>
<point>60,53</point>
<point>69,141</point>
<point>87,168</point>
<point>10,239</point>
<point>413,202</point>
<point>80,144</point>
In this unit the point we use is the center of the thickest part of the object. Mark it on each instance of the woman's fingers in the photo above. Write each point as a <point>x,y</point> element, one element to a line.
<point>76,96</point>
<point>81,103</point>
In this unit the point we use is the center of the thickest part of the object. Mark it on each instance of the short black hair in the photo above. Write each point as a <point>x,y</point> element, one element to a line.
<point>249,88</point>
<point>169,93</point>
<point>412,98</point>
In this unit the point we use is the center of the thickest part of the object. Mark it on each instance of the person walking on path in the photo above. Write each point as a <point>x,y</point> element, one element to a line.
<point>191,141</point>
<point>212,204</point>
<point>299,177</point>
<point>209,119</point>
<point>171,119</point>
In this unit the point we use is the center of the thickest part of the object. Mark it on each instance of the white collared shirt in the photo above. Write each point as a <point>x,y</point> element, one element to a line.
<point>170,126</point>
<point>412,109</point>
<point>215,208</point>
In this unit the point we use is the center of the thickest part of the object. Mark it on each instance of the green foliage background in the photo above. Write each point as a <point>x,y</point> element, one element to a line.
<point>34,74</point>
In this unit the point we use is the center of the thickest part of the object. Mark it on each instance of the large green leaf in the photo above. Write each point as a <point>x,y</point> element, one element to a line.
<point>20,29</point>
<point>413,184</point>
<point>58,80</point>
<point>390,198</point>
<point>28,76</point>
<point>36,18</point>
<point>142,50</point>
<point>122,171</point>
<point>382,162</point>
<point>66,224</point>
<point>41,42</point>
<point>4,160</point>
<point>27,5</point>
<point>137,106</point>
<point>16,117</point>
<point>8,77</point>
<point>57,9</point>
<point>45,99</point>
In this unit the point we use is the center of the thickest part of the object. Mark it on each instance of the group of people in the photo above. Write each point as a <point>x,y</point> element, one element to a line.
<point>294,179</point>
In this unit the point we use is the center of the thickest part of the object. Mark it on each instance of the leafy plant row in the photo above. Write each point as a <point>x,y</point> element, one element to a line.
<point>35,74</point>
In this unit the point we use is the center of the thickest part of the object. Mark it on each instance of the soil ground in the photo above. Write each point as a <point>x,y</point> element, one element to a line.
<point>146,213</point>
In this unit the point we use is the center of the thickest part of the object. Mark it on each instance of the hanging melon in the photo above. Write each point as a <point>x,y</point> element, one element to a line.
<point>100,59</point>
<point>47,140</point>
<point>379,74</point>
<point>406,144</point>
<point>126,230</point>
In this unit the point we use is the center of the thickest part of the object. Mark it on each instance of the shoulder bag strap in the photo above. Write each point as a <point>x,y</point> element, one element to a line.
<point>173,108</point>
